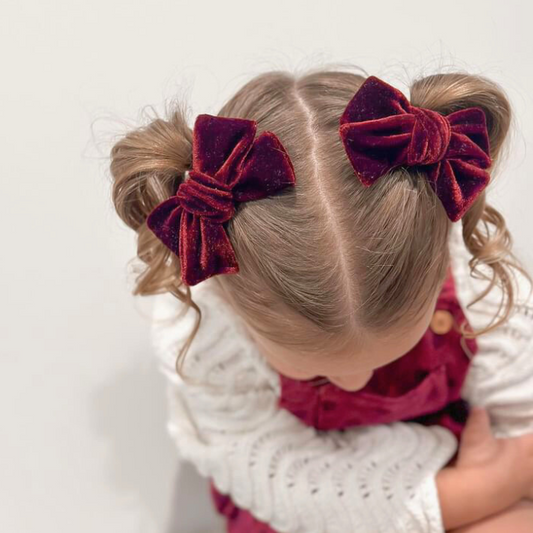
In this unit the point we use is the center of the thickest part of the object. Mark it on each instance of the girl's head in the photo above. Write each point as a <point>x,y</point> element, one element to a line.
<point>335,279</point>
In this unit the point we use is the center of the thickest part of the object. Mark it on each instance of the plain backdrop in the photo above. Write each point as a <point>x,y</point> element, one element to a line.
<point>83,444</point>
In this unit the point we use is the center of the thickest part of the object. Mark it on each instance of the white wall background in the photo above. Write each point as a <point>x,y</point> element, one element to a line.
<point>83,445</point>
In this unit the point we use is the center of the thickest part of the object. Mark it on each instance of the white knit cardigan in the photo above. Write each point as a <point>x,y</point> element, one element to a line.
<point>366,479</point>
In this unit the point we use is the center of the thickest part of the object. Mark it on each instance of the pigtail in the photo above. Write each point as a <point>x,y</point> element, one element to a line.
<point>485,231</point>
<point>147,166</point>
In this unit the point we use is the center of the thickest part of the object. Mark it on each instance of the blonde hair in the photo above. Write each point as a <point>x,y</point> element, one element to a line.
<point>327,261</point>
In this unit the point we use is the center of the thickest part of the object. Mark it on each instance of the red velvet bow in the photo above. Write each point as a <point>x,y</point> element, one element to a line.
<point>228,166</point>
<point>381,130</point>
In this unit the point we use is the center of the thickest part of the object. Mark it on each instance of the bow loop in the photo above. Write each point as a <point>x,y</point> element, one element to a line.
<point>376,146</point>
<point>220,144</point>
<point>381,130</point>
<point>374,100</point>
<point>470,141</point>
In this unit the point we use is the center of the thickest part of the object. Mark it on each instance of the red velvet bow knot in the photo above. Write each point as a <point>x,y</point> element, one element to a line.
<point>381,130</point>
<point>228,166</point>
<point>202,195</point>
<point>431,133</point>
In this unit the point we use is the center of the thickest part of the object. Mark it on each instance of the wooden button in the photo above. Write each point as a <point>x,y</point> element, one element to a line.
<point>442,322</point>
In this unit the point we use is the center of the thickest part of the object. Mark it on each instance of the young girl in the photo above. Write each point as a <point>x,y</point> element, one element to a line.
<point>327,267</point>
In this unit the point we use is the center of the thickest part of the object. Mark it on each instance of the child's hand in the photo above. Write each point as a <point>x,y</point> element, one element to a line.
<point>507,462</point>
<point>489,476</point>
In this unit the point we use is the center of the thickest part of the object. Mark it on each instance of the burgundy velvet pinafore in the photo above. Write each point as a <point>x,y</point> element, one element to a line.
<point>422,386</point>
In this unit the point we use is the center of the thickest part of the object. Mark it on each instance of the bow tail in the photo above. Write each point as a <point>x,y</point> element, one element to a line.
<point>205,249</point>
<point>164,223</point>
<point>457,184</point>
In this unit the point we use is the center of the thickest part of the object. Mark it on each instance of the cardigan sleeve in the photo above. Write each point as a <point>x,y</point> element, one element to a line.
<point>500,376</point>
<point>227,422</point>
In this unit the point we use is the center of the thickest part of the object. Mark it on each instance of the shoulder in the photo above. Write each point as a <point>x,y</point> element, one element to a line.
<point>222,352</point>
